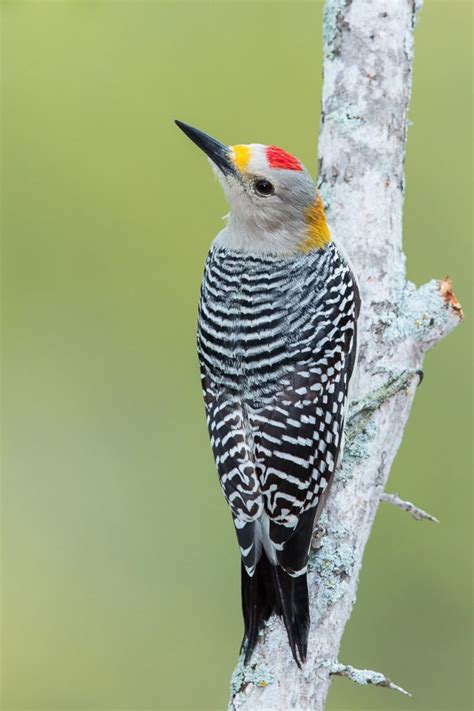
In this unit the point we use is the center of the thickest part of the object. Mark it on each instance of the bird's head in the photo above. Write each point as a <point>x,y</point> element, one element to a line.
<point>274,205</point>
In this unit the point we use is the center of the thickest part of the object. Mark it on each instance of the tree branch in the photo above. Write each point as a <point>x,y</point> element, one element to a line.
<point>368,52</point>
<point>365,676</point>
<point>417,513</point>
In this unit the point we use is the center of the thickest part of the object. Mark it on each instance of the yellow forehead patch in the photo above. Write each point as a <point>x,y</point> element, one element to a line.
<point>241,157</point>
<point>318,234</point>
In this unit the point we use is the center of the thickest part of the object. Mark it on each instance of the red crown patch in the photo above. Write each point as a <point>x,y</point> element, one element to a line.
<point>278,158</point>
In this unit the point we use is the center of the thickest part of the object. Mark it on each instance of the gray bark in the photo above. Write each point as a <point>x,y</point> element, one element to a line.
<point>368,52</point>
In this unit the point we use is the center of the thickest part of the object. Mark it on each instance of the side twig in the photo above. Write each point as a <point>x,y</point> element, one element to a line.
<point>365,676</point>
<point>417,513</point>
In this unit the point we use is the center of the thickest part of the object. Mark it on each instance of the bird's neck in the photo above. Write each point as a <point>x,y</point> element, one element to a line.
<point>300,234</point>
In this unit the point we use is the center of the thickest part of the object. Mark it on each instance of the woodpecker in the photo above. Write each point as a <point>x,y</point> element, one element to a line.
<point>277,343</point>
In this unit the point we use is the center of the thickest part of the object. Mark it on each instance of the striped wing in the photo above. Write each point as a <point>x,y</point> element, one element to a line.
<point>288,464</point>
<point>235,466</point>
<point>297,443</point>
<point>232,452</point>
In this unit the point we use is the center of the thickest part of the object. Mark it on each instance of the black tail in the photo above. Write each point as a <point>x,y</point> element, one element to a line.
<point>271,590</point>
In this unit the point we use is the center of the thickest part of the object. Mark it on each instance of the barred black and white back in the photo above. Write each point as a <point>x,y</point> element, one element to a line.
<point>277,346</point>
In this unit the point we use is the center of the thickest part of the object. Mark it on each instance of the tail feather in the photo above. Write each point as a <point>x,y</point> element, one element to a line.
<point>272,591</point>
<point>301,607</point>
<point>257,603</point>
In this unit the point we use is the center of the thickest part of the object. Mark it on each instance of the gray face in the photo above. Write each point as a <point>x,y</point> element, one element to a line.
<point>270,194</point>
<point>268,205</point>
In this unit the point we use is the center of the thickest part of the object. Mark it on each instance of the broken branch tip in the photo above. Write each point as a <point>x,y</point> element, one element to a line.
<point>449,297</point>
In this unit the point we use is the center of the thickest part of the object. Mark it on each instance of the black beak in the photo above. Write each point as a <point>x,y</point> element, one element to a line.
<point>216,151</point>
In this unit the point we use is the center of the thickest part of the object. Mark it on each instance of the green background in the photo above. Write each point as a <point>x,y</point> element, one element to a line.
<point>120,570</point>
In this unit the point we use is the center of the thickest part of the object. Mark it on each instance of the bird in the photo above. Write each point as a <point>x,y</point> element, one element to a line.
<point>277,347</point>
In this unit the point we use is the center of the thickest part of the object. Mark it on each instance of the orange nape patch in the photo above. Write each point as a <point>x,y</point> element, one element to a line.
<point>241,156</point>
<point>318,234</point>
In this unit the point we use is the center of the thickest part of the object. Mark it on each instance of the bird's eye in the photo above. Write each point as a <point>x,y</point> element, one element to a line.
<point>264,187</point>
